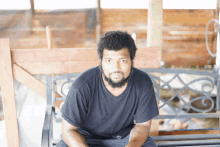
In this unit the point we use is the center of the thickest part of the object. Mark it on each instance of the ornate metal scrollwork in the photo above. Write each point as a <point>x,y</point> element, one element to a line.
<point>202,85</point>
<point>63,83</point>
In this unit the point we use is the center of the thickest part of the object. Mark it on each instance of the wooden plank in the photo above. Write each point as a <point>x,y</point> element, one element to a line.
<point>54,55</point>
<point>8,96</point>
<point>75,66</point>
<point>57,67</point>
<point>69,54</point>
<point>185,53</point>
<point>49,64</point>
<point>31,82</point>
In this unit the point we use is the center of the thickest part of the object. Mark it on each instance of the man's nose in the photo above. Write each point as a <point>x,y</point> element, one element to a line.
<point>116,66</point>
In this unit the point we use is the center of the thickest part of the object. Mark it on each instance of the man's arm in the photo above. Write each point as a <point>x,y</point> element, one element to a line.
<point>71,135</point>
<point>139,134</point>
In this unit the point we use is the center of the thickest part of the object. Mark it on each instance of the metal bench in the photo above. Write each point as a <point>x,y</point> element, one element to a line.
<point>202,84</point>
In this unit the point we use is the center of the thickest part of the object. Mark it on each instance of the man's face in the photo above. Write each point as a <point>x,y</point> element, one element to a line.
<point>116,65</point>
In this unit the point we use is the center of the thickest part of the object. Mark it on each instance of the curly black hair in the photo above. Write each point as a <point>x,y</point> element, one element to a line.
<point>116,40</point>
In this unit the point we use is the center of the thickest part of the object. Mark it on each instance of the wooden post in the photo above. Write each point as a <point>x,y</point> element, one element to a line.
<point>154,37</point>
<point>8,96</point>
<point>32,7</point>
<point>155,24</point>
<point>49,37</point>
<point>98,21</point>
<point>32,16</point>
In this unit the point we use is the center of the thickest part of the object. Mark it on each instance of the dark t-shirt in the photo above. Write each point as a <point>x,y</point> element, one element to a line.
<point>92,108</point>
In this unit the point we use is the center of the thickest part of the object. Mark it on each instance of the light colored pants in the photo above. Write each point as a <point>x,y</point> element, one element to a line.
<point>110,142</point>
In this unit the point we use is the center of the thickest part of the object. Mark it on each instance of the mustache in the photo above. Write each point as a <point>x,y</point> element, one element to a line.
<point>116,72</point>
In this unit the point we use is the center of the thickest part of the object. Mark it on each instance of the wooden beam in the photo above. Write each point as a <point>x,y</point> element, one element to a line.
<point>8,96</point>
<point>31,82</point>
<point>57,67</point>
<point>74,66</point>
<point>64,61</point>
<point>154,31</point>
<point>155,24</point>
<point>54,55</point>
<point>71,54</point>
<point>98,21</point>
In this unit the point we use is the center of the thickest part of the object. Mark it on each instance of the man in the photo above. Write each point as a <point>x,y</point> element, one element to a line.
<point>110,105</point>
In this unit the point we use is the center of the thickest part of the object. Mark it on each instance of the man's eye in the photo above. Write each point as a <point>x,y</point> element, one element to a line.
<point>123,61</point>
<point>108,61</point>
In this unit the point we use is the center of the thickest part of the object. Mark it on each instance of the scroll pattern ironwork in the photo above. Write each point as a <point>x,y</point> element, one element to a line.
<point>206,84</point>
<point>63,83</point>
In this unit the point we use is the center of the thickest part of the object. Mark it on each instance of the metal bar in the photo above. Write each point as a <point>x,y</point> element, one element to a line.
<point>203,129</point>
<point>45,140</point>
<point>187,143</point>
<point>53,90</point>
<point>186,137</point>
<point>60,77</point>
<point>208,115</point>
<point>203,146</point>
<point>218,101</point>
<point>49,90</point>
<point>46,128</point>
<point>180,71</point>
<point>218,64</point>
<point>60,98</point>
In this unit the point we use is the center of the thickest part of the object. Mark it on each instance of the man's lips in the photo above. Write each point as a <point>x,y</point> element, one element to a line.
<point>116,75</point>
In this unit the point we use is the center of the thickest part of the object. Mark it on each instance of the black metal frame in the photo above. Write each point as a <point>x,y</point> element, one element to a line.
<point>47,133</point>
<point>209,81</point>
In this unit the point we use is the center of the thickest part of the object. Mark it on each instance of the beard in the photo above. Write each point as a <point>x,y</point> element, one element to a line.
<point>115,84</point>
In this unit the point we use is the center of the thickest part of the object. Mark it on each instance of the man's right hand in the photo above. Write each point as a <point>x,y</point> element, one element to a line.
<point>71,135</point>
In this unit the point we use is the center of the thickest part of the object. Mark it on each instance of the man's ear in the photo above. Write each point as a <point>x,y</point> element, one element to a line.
<point>100,61</point>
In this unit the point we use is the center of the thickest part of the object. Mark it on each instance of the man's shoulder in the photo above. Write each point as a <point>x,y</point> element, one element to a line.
<point>86,77</point>
<point>141,76</point>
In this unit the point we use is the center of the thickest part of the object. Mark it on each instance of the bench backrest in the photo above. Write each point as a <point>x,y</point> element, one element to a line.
<point>181,94</point>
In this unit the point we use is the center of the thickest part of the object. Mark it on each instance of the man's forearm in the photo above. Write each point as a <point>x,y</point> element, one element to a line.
<point>74,139</point>
<point>138,136</point>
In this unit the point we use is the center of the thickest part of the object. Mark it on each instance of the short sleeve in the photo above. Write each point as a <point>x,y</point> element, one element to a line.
<point>147,104</point>
<point>74,108</point>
